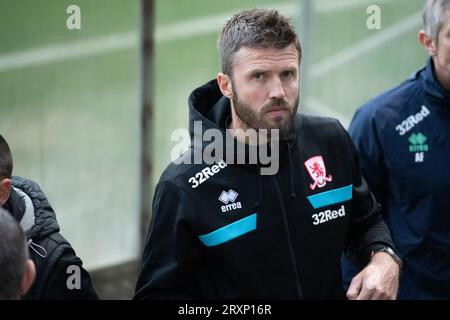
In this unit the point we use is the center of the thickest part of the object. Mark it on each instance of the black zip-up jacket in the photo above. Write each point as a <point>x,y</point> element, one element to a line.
<point>224,231</point>
<point>50,252</point>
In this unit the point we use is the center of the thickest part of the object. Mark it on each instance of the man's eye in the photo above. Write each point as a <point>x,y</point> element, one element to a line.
<point>287,74</point>
<point>258,76</point>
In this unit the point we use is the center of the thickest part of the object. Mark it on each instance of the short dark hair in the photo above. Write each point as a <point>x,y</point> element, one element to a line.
<point>13,256</point>
<point>6,161</point>
<point>257,28</point>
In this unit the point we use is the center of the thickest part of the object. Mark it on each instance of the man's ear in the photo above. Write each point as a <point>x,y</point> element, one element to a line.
<point>28,276</point>
<point>5,191</point>
<point>427,42</point>
<point>225,86</point>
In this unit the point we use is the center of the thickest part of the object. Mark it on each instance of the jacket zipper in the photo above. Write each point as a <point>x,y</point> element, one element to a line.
<point>289,239</point>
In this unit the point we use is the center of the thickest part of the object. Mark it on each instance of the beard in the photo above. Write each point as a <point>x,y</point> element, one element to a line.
<point>260,119</point>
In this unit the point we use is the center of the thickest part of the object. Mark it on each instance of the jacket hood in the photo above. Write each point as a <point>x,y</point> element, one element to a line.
<point>207,104</point>
<point>209,109</point>
<point>36,216</point>
<point>435,91</point>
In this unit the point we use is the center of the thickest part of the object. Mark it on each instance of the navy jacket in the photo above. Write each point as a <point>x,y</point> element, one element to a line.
<point>224,231</point>
<point>403,137</point>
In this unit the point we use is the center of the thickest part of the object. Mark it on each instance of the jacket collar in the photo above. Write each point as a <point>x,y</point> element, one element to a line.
<point>433,89</point>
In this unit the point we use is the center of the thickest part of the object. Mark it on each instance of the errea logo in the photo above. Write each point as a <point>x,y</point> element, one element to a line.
<point>418,146</point>
<point>227,197</point>
<point>418,142</point>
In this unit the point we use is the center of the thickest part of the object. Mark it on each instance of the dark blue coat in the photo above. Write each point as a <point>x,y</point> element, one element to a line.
<point>403,140</point>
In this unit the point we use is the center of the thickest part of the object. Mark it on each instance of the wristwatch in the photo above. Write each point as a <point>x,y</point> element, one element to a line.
<point>390,252</point>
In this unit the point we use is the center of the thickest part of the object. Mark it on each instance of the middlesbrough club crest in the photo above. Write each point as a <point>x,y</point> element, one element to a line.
<point>317,171</point>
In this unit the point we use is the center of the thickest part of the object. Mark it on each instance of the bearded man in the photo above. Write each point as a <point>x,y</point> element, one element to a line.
<point>226,230</point>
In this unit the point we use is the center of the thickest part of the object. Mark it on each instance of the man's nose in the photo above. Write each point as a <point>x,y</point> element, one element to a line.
<point>276,89</point>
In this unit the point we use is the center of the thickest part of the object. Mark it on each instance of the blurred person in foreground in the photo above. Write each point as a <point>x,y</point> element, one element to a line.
<point>17,271</point>
<point>59,272</point>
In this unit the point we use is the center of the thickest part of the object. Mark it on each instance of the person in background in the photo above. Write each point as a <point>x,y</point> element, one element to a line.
<point>403,138</point>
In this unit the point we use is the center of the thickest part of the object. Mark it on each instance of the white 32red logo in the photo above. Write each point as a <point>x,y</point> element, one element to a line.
<point>317,171</point>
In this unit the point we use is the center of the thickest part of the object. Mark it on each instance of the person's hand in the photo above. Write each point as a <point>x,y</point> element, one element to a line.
<point>377,281</point>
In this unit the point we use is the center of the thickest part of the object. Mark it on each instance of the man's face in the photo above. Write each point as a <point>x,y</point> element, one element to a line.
<point>442,55</point>
<point>265,88</point>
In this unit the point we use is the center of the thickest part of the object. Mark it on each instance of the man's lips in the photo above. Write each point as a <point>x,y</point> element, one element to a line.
<point>276,110</point>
